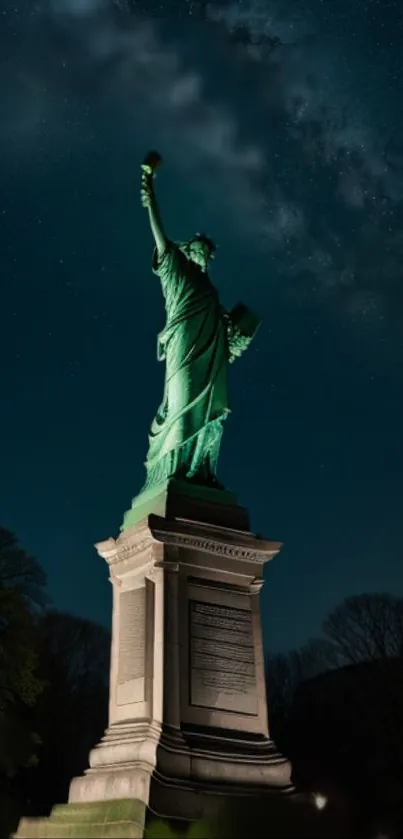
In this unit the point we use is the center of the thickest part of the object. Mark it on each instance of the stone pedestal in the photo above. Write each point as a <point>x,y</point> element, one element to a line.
<point>187,712</point>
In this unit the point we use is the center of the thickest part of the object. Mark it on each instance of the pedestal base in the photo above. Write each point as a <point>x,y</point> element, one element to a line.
<point>120,766</point>
<point>176,498</point>
<point>123,819</point>
<point>196,777</point>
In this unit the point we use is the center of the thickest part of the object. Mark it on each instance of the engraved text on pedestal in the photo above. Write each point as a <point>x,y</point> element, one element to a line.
<point>132,642</point>
<point>223,674</point>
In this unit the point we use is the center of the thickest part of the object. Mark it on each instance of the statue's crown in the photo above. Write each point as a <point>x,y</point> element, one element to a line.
<point>201,237</point>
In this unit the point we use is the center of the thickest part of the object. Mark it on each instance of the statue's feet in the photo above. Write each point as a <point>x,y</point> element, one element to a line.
<point>215,483</point>
<point>205,481</point>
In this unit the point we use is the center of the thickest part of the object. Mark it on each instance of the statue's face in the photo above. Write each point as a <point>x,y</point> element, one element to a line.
<point>201,253</point>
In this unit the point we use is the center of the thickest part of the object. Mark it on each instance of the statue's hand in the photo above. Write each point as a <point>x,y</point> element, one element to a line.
<point>149,201</point>
<point>147,192</point>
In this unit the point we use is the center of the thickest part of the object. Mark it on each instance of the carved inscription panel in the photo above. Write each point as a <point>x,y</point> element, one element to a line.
<point>132,636</point>
<point>222,659</point>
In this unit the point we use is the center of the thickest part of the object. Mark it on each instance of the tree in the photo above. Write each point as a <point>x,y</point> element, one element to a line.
<point>22,582</point>
<point>20,571</point>
<point>71,713</point>
<point>284,673</point>
<point>19,683</point>
<point>365,628</point>
<point>54,676</point>
<point>345,724</point>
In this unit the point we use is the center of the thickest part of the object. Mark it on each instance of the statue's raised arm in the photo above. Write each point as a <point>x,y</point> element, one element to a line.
<point>148,199</point>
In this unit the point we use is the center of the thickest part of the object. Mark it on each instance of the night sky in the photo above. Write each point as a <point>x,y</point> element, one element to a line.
<point>290,155</point>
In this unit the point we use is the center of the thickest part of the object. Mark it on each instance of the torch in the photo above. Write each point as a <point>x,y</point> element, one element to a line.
<point>151,163</point>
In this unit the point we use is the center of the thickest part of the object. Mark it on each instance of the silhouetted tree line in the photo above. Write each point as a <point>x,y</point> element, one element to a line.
<point>54,679</point>
<point>336,709</point>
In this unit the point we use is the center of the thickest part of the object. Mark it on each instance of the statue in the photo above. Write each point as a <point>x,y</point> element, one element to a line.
<point>198,343</point>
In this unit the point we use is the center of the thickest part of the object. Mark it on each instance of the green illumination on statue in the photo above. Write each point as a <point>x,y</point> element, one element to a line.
<point>198,343</point>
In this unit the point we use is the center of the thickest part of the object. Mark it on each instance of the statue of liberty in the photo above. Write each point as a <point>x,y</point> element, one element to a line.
<point>198,343</point>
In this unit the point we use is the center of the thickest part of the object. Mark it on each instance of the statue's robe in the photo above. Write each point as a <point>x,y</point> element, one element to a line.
<point>186,433</point>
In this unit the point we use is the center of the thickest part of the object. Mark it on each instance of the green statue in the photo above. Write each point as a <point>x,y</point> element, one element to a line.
<point>198,343</point>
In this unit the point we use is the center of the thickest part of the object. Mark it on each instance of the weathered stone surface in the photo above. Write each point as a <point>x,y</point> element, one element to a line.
<point>188,724</point>
<point>122,819</point>
<point>222,656</point>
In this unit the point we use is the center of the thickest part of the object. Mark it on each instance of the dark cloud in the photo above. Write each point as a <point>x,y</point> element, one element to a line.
<point>124,63</point>
<point>340,171</point>
<point>316,177</point>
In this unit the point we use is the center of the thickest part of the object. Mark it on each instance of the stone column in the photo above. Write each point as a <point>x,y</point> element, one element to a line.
<point>122,764</point>
<point>171,656</point>
<point>254,590</point>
